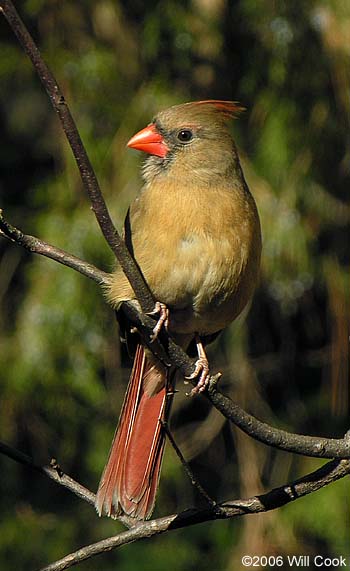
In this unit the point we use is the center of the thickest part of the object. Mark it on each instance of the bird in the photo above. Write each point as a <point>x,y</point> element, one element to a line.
<point>195,234</point>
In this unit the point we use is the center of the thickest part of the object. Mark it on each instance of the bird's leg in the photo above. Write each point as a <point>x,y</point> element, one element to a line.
<point>163,311</point>
<point>201,369</point>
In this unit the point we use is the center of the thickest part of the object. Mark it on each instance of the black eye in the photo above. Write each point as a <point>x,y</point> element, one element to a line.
<point>185,135</point>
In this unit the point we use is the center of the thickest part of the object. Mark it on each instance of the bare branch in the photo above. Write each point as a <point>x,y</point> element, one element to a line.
<point>87,173</point>
<point>276,498</point>
<point>327,474</point>
<point>55,473</point>
<point>41,247</point>
<point>315,446</point>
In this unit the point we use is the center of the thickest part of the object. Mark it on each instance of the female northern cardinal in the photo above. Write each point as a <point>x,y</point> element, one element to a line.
<point>194,231</point>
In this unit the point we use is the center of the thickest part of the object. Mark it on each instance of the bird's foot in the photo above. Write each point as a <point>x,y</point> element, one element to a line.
<point>201,370</point>
<point>163,321</point>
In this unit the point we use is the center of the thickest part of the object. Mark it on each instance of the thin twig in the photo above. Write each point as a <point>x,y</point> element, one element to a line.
<point>55,473</point>
<point>186,466</point>
<point>87,173</point>
<point>276,498</point>
<point>37,246</point>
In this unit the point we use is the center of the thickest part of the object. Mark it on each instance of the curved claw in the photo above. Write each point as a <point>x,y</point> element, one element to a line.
<point>163,320</point>
<point>201,370</point>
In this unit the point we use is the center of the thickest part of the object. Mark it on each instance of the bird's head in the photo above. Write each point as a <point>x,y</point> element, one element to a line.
<point>189,138</point>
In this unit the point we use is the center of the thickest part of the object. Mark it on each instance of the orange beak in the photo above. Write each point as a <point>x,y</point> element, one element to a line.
<point>149,141</point>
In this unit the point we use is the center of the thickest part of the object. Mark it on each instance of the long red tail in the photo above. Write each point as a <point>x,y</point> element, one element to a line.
<point>130,479</point>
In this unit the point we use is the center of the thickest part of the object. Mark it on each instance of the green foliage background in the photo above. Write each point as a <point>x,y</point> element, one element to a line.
<point>61,374</point>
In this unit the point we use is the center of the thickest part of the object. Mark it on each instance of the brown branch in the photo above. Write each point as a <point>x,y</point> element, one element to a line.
<point>37,246</point>
<point>86,171</point>
<point>55,473</point>
<point>330,472</point>
<point>315,446</point>
<point>276,498</point>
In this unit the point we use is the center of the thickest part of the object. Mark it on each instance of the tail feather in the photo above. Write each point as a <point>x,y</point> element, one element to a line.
<point>130,479</point>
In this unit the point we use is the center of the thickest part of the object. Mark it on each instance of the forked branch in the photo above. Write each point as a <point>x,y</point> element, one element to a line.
<point>329,473</point>
<point>169,353</point>
<point>275,498</point>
